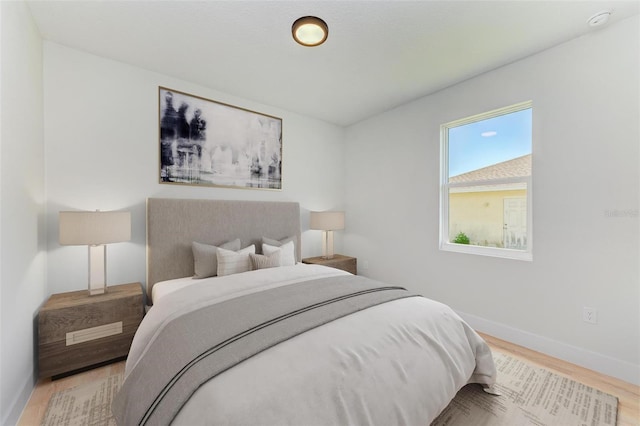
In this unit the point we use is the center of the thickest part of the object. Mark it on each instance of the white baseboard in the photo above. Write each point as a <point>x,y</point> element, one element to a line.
<point>603,364</point>
<point>15,409</point>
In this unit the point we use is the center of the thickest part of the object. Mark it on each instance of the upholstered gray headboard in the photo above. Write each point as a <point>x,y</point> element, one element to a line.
<point>173,224</point>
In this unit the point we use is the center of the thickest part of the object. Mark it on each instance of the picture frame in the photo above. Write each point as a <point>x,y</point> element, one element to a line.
<point>209,143</point>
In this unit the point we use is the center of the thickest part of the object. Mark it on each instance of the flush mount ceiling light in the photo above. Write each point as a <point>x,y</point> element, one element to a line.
<point>310,31</point>
<point>599,18</point>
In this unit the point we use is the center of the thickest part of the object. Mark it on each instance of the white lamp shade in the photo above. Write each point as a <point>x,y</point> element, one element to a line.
<point>92,228</point>
<point>326,221</point>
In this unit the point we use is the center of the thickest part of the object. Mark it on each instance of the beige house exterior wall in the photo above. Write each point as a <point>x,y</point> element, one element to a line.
<point>479,215</point>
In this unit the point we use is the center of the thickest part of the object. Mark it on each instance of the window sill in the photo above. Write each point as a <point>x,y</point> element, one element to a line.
<point>525,255</point>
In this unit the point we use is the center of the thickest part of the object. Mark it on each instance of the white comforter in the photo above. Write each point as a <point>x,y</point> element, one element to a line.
<point>396,363</point>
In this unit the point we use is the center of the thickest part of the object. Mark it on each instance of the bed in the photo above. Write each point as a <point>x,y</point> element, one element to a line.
<point>266,340</point>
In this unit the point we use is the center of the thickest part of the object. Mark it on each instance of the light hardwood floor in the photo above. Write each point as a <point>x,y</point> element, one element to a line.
<point>628,394</point>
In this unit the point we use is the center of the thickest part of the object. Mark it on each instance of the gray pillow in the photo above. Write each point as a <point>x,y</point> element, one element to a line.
<point>278,243</point>
<point>205,261</point>
<point>259,261</point>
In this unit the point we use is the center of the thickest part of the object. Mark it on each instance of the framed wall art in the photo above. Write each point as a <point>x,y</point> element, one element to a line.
<point>209,143</point>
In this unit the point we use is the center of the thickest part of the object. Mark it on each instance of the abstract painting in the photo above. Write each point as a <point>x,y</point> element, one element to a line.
<point>209,143</point>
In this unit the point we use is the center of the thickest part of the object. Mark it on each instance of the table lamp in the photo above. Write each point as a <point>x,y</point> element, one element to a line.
<point>327,222</point>
<point>95,229</point>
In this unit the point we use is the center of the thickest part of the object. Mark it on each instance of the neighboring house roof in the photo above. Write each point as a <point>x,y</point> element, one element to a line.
<point>518,167</point>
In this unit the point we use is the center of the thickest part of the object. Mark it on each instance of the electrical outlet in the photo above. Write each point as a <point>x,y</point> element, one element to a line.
<point>589,315</point>
<point>365,264</point>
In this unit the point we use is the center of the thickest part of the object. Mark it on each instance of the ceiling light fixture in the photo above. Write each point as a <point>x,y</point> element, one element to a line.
<point>310,31</point>
<point>599,18</point>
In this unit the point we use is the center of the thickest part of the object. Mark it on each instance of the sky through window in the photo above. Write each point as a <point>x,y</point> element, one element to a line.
<point>486,142</point>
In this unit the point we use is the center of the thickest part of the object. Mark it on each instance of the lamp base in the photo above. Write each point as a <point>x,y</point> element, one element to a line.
<point>97,291</point>
<point>327,244</point>
<point>97,269</point>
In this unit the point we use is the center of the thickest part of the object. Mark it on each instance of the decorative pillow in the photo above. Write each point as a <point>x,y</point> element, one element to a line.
<point>234,262</point>
<point>278,243</point>
<point>205,261</point>
<point>259,261</point>
<point>287,255</point>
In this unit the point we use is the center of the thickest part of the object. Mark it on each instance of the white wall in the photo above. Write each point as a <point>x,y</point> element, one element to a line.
<point>22,233</point>
<point>585,166</point>
<point>101,138</point>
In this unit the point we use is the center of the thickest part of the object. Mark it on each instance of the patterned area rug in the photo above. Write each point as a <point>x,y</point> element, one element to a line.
<point>84,405</point>
<point>531,396</point>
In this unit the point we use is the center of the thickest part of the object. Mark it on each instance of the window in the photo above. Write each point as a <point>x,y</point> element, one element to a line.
<point>485,191</point>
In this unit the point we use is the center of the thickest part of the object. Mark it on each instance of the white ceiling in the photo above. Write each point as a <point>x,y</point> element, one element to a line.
<point>379,54</point>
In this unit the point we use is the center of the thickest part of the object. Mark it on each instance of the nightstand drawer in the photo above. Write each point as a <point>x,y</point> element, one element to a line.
<point>346,263</point>
<point>76,330</point>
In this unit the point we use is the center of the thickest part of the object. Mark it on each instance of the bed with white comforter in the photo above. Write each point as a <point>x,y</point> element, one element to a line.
<point>396,363</point>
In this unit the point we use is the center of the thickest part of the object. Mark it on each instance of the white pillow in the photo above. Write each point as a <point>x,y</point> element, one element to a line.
<point>278,243</point>
<point>287,253</point>
<point>234,262</point>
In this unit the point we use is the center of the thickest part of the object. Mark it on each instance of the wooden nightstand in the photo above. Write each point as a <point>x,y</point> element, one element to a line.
<point>346,263</point>
<point>76,330</point>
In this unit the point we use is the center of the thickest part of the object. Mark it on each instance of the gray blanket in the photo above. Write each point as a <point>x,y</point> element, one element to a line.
<point>203,343</point>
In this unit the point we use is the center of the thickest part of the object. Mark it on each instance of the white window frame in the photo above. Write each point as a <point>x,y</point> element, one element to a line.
<point>445,186</point>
